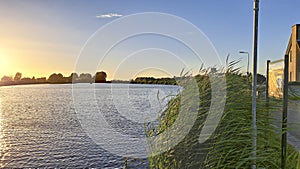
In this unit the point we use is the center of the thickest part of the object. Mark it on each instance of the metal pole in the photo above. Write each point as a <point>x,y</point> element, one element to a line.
<point>284,112</point>
<point>267,81</point>
<point>267,98</point>
<point>248,64</point>
<point>254,81</point>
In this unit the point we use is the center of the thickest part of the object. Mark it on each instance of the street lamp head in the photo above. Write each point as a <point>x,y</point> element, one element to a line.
<point>244,52</point>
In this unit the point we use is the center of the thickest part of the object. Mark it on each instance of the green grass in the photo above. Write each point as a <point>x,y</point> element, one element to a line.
<point>231,144</point>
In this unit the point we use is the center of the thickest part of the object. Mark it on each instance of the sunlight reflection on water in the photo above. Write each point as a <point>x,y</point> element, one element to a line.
<point>1,142</point>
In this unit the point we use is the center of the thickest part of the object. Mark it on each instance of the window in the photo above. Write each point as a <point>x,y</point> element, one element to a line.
<point>291,73</point>
<point>290,56</point>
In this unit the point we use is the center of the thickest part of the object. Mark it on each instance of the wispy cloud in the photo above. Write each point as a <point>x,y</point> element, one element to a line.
<point>109,15</point>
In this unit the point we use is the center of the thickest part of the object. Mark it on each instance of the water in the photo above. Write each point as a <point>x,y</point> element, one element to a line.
<point>42,125</point>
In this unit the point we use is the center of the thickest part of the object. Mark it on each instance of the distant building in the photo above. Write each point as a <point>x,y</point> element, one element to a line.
<point>293,50</point>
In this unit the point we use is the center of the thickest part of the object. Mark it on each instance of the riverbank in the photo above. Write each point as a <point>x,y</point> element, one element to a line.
<point>139,80</point>
<point>33,83</point>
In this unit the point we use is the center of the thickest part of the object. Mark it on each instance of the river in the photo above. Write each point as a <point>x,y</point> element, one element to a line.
<point>41,125</point>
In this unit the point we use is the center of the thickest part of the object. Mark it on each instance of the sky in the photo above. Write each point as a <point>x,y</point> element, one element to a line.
<point>41,37</point>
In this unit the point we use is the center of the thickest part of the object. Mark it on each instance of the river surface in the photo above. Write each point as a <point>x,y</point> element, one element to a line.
<point>41,125</point>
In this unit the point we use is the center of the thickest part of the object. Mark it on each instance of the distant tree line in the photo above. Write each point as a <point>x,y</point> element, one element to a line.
<point>99,77</point>
<point>56,78</point>
<point>261,79</point>
<point>152,80</point>
<point>18,79</point>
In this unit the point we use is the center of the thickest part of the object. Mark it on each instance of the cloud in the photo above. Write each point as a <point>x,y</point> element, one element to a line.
<point>109,15</point>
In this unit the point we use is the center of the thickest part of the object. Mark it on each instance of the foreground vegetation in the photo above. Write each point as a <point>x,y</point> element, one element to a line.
<point>230,146</point>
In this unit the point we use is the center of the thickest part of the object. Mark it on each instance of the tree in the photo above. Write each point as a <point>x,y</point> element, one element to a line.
<point>73,77</point>
<point>261,78</point>
<point>100,77</point>
<point>85,77</point>
<point>18,76</point>
<point>56,78</point>
<point>6,78</point>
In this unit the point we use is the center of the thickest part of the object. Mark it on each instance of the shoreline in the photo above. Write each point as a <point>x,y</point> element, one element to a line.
<point>140,80</point>
<point>36,83</point>
<point>109,82</point>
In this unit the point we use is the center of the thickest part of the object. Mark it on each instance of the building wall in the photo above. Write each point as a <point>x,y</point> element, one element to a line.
<point>298,55</point>
<point>294,55</point>
<point>276,72</point>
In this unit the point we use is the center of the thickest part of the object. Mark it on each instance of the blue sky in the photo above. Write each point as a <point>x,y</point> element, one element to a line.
<point>43,37</point>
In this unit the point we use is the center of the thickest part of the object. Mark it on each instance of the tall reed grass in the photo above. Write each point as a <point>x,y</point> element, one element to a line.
<point>230,146</point>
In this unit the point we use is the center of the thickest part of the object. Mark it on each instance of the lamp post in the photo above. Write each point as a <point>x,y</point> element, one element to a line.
<point>243,52</point>
<point>254,80</point>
